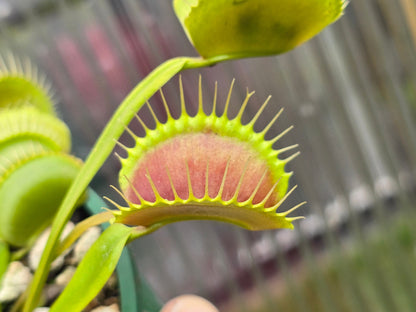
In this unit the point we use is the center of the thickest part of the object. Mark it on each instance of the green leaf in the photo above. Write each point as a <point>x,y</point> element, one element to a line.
<point>246,28</point>
<point>94,270</point>
<point>4,258</point>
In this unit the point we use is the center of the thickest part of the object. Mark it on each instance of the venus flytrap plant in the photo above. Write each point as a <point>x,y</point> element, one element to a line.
<point>33,153</point>
<point>35,167</point>
<point>201,188</point>
<point>190,168</point>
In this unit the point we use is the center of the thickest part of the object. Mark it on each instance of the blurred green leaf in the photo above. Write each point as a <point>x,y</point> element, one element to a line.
<point>4,258</point>
<point>94,270</point>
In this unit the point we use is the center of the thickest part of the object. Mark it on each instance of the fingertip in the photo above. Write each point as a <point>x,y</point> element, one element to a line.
<point>189,303</point>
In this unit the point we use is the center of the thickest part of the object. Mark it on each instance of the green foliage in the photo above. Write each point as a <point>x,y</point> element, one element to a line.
<point>94,270</point>
<point>4,258</point>
<point>34,169</point>
<point>220,31</point>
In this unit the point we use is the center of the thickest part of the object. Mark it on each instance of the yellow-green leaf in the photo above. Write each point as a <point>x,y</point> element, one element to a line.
<point>4,258</point>
<point>94,270</point>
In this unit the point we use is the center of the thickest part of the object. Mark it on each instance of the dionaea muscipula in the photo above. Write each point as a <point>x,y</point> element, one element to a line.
<point>205,167</point>
<point>35,167</point>
<point>21,84</point>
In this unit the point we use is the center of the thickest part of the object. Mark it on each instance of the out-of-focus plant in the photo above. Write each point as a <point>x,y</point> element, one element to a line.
<point>36,168</point>
<point>200,167</point>
<point>35,172</point>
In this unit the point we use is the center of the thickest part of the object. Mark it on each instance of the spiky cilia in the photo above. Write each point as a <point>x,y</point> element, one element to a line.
<point>205,167</point>
<point>22,85</point>
<point>29,124</point>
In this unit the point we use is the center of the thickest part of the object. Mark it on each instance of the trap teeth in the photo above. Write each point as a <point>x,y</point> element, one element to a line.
<point>204,167</point>
<point>29,124</point>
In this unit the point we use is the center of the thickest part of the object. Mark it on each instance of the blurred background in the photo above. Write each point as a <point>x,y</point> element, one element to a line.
<point>349,92</point>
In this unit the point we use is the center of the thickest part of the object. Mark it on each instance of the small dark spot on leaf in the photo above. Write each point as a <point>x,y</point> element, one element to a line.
<point>236,2</point>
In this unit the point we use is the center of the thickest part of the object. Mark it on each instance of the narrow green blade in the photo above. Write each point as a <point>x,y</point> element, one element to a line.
<point>94,270</point>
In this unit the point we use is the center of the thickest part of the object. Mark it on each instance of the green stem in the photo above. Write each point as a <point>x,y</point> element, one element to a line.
<point>4,258</point>
<point>20,253</point>
<point>80,229</point>
<point>99,153</point>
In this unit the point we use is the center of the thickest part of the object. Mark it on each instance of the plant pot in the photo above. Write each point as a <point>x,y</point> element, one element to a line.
<point>135,293</point>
